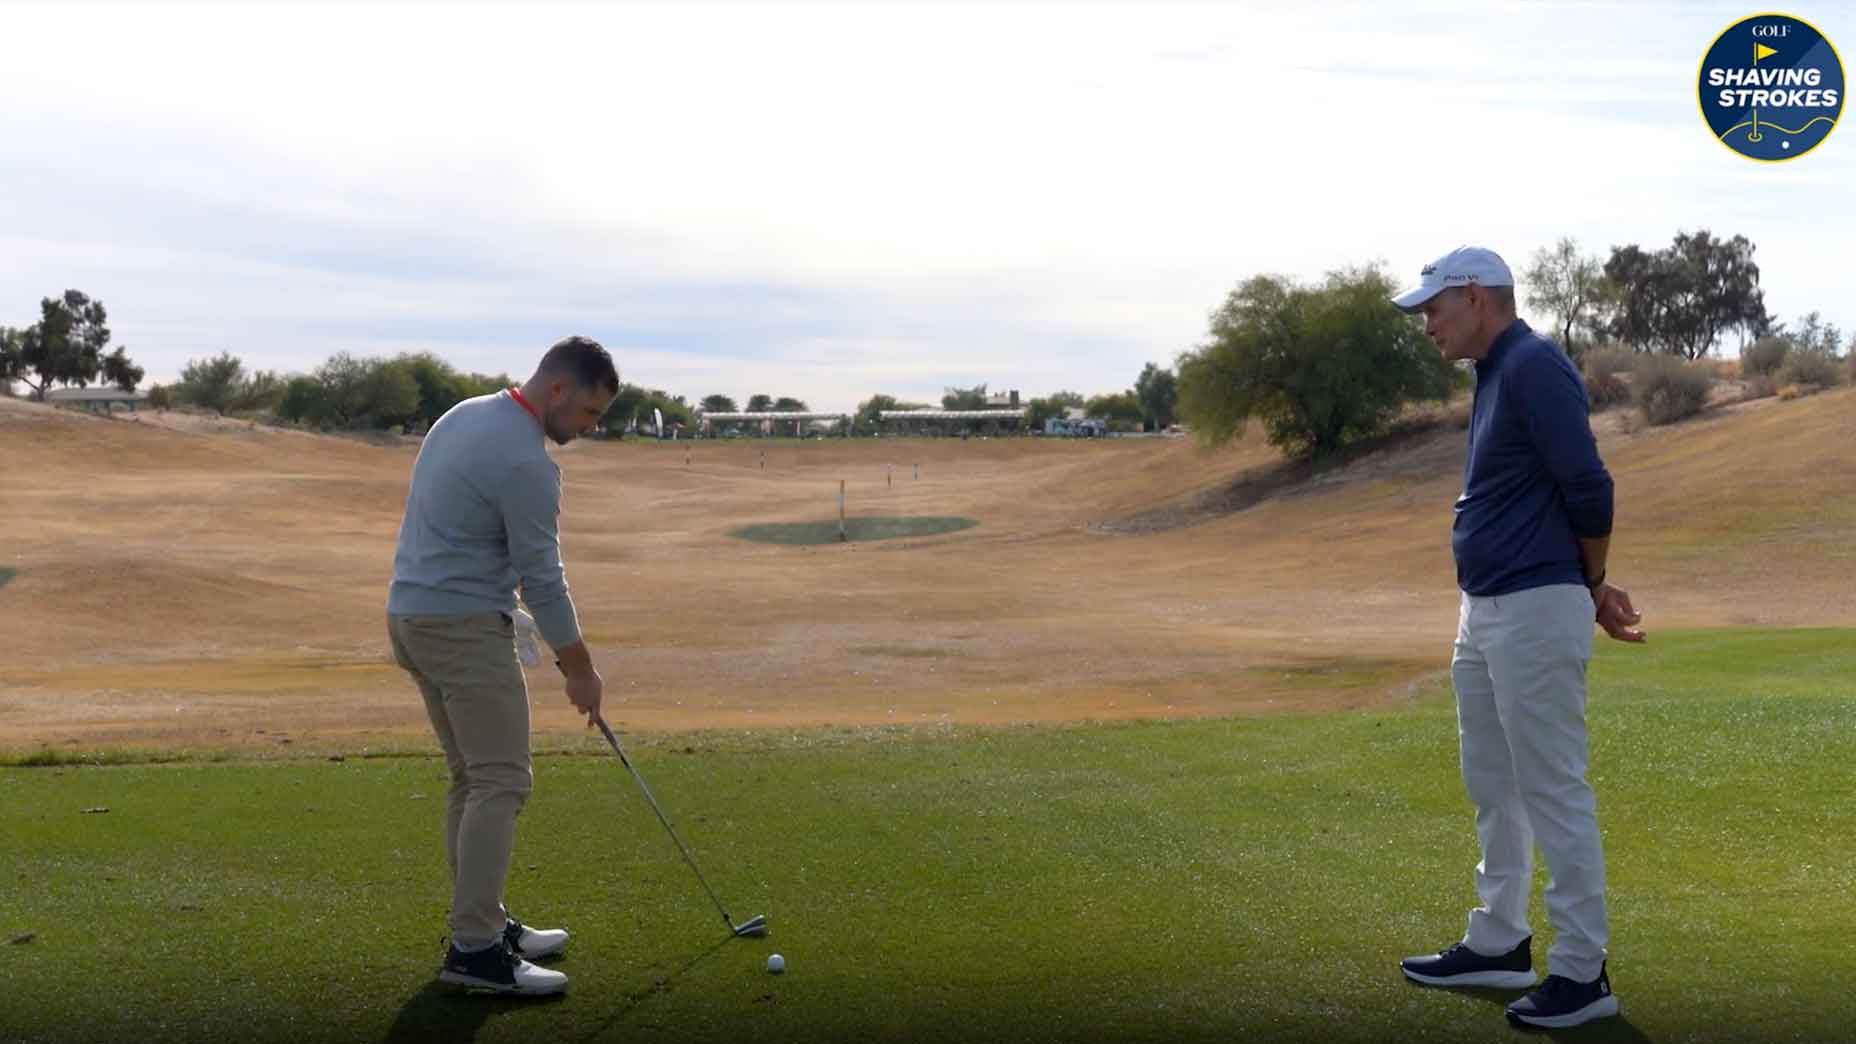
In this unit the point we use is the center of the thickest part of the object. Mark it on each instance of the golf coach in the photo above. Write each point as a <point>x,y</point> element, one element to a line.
<point>1531,535</point>
<point>482,519</point>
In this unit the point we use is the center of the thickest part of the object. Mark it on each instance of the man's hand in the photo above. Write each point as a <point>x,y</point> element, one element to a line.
<point>585,691</point>
<point>585,688</point>
<point>1615,614</point>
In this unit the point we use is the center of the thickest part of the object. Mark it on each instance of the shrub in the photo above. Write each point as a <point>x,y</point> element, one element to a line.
<point>1807,368</point>
<point>1669,389</point>
<point>1607,371</point>
<point>1764,357</point>
<point>1606,391</point>
<point>1607,361</point>
<point>1320,366</point>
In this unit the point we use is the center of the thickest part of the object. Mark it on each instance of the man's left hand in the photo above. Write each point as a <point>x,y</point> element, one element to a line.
<point>1615,614</point>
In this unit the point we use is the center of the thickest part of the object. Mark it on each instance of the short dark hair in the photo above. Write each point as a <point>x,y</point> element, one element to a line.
<point>582,360</point>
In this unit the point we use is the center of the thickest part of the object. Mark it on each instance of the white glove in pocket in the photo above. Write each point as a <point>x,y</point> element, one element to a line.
<point>526,649</point>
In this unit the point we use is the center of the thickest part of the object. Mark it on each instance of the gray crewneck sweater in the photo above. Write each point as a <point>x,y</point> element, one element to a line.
<point>483,517</point>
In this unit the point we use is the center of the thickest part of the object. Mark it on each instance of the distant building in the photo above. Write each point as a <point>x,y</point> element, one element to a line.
<point>96,400</point>
<point>949,422</point>
<point>767,423</point>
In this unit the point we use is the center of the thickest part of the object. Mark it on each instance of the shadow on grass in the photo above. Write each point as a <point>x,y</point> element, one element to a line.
<point>1608,1031</point>
<point>444,1013</point>
<point>630,1003</point>
<point>1616,1030</point>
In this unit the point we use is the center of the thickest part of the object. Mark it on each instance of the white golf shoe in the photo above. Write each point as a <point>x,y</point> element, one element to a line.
<point>496,970</point>
<point>533,944</point>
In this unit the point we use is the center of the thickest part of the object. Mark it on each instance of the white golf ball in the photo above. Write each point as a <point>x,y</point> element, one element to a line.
<point>776,964</point>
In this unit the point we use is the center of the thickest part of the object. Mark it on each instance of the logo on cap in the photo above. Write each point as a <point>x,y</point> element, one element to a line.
<point>1771,87</point>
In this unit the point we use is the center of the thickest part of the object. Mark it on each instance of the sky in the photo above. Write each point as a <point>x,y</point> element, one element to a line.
<point>830,201</point>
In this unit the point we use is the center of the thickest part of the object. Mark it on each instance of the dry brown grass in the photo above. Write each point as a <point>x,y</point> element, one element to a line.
<point>225,587</point>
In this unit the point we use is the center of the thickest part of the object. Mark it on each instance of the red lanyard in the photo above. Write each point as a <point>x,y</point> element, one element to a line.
<point>516,394</point>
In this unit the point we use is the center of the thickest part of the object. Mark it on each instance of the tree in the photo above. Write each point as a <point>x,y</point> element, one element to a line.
<point>718,404</point>
<point>392,395</point>
<point>1321,366</point>
<point>868,417</point>
<point>304,401</point>
<point>790,405</point>
<point>1568,286</point>
<point>1682,299</point>
<point>1813,334</point>
<point>1037,411</point>
<point>440,386</point>
<point>1121,409</point>
<point>342,378</point>
<point>673,407</point>
<point>259,392</point>
<point>633,405</point>
<point>622,415</point>
<point>12,366</point>
<point>211,384</point>
<point>760,404</point>
<point>118,370</point>
<point>973,398</point>
<point>66,347</point>
<point>366,392</point>
<point>1158,392</point>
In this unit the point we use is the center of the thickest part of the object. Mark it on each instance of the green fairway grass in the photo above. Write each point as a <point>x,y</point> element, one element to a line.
<point>1229,880</point>
<point>855,529</point>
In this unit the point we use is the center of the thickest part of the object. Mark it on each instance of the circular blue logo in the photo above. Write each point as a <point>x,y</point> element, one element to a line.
<point>1771,87</point>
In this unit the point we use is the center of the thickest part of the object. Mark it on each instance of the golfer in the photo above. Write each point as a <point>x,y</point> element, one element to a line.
<point>1531,536</point>
<point>482,519</point>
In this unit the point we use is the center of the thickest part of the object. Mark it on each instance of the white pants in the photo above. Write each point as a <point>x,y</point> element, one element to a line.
<point>1519,671</point>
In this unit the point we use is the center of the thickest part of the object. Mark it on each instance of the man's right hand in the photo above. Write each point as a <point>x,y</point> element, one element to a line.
<point>585,691</point>
<point>585,688</point>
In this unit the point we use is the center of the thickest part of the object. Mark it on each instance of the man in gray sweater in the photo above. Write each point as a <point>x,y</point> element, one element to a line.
<point>482,519</point>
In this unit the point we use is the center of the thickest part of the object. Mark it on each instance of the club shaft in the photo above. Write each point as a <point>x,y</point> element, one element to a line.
<point>661,818</point>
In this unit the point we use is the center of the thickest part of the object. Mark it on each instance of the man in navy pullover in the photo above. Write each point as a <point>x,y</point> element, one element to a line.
<point>1532,531</point>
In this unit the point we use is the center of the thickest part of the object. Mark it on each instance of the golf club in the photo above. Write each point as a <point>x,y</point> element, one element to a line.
<point>754,927</point>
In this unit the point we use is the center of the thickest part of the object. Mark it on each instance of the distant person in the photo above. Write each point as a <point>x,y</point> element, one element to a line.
<point>482,519</point>
<point>1532,532</point>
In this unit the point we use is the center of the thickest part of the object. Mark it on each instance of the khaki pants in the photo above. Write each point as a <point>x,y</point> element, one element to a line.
<point>477,699</point>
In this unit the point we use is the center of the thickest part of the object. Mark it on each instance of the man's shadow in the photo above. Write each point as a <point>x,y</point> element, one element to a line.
<point>1615,1030</point>
<point>445,1013</point>
<point>629,1003</point>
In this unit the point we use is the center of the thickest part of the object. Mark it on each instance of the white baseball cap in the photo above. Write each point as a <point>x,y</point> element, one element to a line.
<point>1460,267</point>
